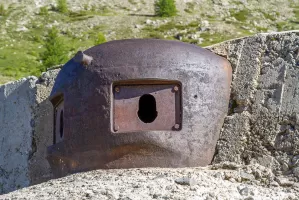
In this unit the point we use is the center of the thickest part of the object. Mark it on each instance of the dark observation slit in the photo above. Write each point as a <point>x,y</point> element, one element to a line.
<point>147,108</point>
<point>61,124</point>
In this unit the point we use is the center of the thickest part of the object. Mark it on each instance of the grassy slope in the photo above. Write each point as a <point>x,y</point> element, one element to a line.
<point>20,50</point>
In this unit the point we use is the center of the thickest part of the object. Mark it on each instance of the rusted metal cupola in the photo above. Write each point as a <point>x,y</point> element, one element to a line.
<point>138,103</point>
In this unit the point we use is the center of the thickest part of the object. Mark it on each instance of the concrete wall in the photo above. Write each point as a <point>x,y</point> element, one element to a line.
<point>39,168</point>
<point>16,132</point>
<point>262,125</point>
<point>25,131</point>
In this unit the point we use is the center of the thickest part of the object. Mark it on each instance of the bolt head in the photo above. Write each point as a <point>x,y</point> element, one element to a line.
<point>116,89</point>
<point>176,88</point>
<point>176,126</point>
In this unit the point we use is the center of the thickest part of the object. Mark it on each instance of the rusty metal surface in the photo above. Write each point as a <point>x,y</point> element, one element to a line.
<point>126,108</point>
<point>90,141</point>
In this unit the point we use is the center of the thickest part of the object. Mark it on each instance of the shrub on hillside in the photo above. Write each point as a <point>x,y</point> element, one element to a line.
<point>165,8</point>
<point>62,6</point>
<point>55,52</point>
<point>43,11</point>
<point>100,39</point>
<point>2,10</point>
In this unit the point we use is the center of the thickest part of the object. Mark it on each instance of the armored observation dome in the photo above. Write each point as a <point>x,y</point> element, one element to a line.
<point>138,103</point>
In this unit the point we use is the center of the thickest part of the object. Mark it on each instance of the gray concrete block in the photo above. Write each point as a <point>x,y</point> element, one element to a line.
<point>16,132</point>
<point>265,89</point>
<point>26,121</point>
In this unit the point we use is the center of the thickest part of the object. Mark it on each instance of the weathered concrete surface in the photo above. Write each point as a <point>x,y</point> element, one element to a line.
<point>39,168</point>
<point>249,182</point>
<point>26,131</point>
<point>263,124</point>
<point>16,132</point>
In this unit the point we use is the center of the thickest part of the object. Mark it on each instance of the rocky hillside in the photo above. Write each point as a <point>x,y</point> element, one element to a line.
<point>24,24</point>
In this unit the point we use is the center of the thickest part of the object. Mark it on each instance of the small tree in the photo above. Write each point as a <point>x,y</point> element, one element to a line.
<point>100,39</point>
<point>165,8</point>
<point>55,52</point>
<point>62,6</point>
<point>43,11</point>
<point>2,10</point>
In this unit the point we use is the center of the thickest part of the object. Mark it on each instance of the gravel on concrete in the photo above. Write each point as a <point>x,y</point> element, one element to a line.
<point>223,181</point>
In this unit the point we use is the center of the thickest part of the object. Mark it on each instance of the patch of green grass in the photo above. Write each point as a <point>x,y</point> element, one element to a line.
<point>8,11</point>
<point>5,79</point>
<point>280,25</point>
<point>43,11</point>
<point>132,2</point>
<point>261,29</point>
<point>123,8</point>
<point>85,6</point>
<point>210,17</point>
<point>160,32</point>
<point>269,16</point>
<point>2,10</point>
<point>169,26</point>
<point>194,24</point>
<point>191,41</point>
<point>105,11</point>
<point>237,3</point>
<point>87,14</point>
<point>25,65</point>
<point>172,25</point>
<point>92,34</point>
<point>155,35</point>
<point>28,47</point>
<point>80,15</point>
<point>100,39</point>
<point>241,15</point>
<point>296,12</point>
<point>215,38</point>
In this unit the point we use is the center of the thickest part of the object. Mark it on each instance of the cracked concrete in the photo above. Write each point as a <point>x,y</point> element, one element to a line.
<point>16,132</point>
<point>261,126</point>
<point>26,131</point>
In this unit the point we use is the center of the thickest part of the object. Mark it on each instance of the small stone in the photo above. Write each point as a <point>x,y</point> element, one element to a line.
<point>148,21</point>
<point>296,185</point>
<point>283,181</point>
<point>274,184</point>
<point>186,181</point>
<point>296,171</point>
<point>200,40</point>
<point>246,176</point>
<point>295,161</point>
<point>203,29</point>
<point>210,196</point>
<point>232,180</point>
<point>194,188</point>
<point>285,167</point>
<point>244,191</point>
<point>205,23</point>
<point>219,175</point>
